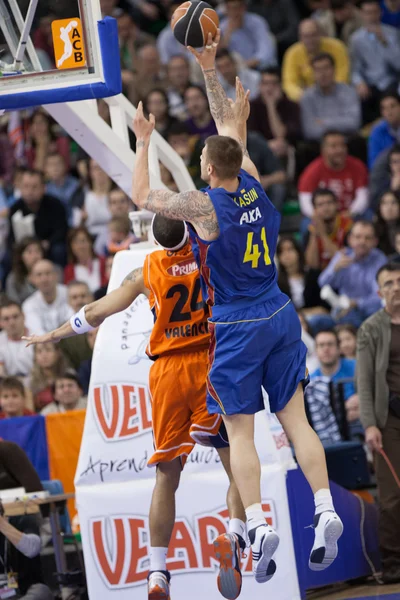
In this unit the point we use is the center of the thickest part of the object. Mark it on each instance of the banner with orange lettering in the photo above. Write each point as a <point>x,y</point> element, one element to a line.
<point>114,484</point>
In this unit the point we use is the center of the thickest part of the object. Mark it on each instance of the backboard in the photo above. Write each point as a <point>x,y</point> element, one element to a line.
<point>75,55</point>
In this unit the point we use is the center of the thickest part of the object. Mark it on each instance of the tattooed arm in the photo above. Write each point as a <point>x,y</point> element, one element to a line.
<point>193,206</point>
<point>97,312</point>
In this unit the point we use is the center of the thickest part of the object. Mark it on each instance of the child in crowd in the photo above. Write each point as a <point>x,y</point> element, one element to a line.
<point>120,235</point>
<point>347,335</point>
<point>12,399</point>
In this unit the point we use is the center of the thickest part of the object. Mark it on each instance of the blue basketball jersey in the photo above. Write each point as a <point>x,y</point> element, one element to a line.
<point>238,267</point>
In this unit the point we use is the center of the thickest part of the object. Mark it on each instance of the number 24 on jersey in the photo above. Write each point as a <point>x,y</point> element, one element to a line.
<point>253,254</point>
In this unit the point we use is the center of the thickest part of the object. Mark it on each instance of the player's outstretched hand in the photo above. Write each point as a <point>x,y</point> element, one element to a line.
<point>206,58</point>
<point>31,340</point>
<point>142,127</point>
<point>241,106</point>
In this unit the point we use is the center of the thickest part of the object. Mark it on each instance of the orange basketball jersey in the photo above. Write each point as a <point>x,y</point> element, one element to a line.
<point>180,315</point>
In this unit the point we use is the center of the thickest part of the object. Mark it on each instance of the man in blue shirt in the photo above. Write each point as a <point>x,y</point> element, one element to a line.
<point>352,273</point>
<point>387,131</point>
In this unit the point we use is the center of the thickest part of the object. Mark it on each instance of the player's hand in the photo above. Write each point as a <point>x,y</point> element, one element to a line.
<point>206,58</point>
<point>373,437</point>
<point>31,340</point>
<point>142,127</point>
<point>241,106</point>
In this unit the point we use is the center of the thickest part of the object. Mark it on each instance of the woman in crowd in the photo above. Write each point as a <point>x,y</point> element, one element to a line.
<point>42,141</point>
<point>26,254</point>
<point>347,335</point>
<point>156,102</point>
<point>83,264</point>
<point>49,362</point>
<point>96,213</point>
<point>387,221</point>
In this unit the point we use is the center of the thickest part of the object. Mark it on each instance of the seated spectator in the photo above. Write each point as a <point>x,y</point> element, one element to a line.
<point>15,358</point>
<point>375,52</point>
<point>340,20</point>
<point>101,292</point>
<point>85,369</point>
<point>352,272</point>
<point>247,34</point>
<point>12,399</point>
<point>48,364</point>
<point>67,395</point>
<point>121,237</point>
<point>148,73</point>
<point>156,102</point>
<point>273,115</point>
<point>60,184</point>
<point>46,308</point>
<point>29,216</point>
<point>387,131</point>
<point>96,213</point>
<point>327,231</point>
<point>385,175</point>
<point>14,189</point>
<point>25,254</point>
<point>297,71</point>
<point>120,205</point>
<point>391,13</point>
<point>178,80</point>
<point>328,105</point>
<point>334,368</point>
<point>283,19</point>
<point>298,282</point>
<point>228,71</point>
<point>76,349</point>
<point>43,141</point>
<point>345,175</point>
<point>83,264</point>
<point>272,174</point>
<point>200,122</point>
<point>387,222</point>
<point>188,148</point>
<point>23,532</point>
<point>347,335</point>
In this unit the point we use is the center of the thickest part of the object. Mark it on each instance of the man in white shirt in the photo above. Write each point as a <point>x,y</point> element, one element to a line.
<point>67,394</point>
<point>15,358</point>
<point>48,307</point>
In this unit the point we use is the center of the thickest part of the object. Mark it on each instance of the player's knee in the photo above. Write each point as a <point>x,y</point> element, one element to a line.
<point>169,474</point>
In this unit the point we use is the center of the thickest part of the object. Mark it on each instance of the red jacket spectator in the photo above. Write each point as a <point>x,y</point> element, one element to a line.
<point>83,264</point>
<point>96,272</point>
<point>345,175</point>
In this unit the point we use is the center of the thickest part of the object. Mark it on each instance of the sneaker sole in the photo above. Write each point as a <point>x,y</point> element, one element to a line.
<point>266,567</point>
<point>326,555</point>
<point>157,593</point>
<point>229,578</point>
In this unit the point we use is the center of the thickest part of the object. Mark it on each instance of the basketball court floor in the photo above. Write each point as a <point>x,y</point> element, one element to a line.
<point>379,592</point>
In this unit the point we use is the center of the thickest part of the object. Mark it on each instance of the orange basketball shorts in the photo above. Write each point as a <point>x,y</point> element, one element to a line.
<point>180,416</point>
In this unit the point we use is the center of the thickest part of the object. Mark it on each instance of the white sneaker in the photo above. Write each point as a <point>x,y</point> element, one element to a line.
<point>158,585</point>
<point>328,529</point>
<point>264,542</point>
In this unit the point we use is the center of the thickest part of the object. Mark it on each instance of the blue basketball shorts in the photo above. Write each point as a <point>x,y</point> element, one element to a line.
<point>257,346</point>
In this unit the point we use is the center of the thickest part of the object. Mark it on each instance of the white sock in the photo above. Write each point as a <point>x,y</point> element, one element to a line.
<point>238,527</point>
<point>255,516</point>
<point>323,501</point>
<point>158,559</point>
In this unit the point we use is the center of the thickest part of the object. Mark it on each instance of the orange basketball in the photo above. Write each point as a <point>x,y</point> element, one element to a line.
<point>193,21</point>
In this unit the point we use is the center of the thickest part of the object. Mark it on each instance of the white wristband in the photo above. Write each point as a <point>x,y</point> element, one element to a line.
<point>79,323</point>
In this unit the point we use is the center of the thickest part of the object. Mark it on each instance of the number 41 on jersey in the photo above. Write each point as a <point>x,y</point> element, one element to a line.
<point>253,253</point>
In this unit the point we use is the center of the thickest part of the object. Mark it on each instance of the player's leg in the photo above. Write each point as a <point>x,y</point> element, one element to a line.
<point>311,458</point>
<point>246,470</point>
<point>162,521</point>
<point>285,375</point>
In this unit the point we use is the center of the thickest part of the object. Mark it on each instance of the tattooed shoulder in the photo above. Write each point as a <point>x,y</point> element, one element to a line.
<point>133,276</point>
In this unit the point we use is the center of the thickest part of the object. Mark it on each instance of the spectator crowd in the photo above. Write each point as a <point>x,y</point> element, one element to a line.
<point>324,133</point>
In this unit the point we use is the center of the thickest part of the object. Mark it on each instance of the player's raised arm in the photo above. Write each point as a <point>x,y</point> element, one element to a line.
<point>230,118</point>
<point>92,315</point>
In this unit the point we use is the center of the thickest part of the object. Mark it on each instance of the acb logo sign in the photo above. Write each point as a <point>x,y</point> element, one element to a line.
<point>121,410</point>
<point>69,50</point>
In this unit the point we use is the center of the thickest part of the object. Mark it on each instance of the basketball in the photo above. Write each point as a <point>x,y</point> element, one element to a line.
<point>193,21</point>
